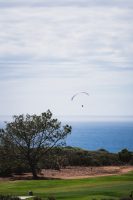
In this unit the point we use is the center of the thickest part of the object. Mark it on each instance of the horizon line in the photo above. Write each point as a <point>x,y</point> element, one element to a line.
<point>110,116</point>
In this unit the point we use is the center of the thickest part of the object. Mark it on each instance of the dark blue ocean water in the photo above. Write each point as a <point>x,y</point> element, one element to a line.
<point>112,136</point>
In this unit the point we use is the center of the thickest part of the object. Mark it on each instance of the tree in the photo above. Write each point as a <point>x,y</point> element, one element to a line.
<point>125,155</point>
<point>32,136</point>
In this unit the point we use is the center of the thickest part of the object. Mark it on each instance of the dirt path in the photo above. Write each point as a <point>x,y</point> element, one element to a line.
<point>85,172</point>
<point>75,173</point>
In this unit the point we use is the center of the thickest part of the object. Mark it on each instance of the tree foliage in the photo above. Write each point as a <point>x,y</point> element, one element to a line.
<point>125,155</point>
<point>32,136</point>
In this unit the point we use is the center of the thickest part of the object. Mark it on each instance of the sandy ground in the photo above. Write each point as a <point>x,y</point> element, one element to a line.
<point>75,173</point>
<point>85,172</point>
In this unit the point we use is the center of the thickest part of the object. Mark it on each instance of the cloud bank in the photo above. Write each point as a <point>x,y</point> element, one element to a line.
<point>94,36</point>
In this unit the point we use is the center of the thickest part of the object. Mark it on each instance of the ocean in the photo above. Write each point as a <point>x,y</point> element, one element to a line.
<point>112,136</point>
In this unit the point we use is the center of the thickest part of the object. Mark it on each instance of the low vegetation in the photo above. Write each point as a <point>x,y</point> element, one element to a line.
<point>70,156</point>
<point>62,157</point>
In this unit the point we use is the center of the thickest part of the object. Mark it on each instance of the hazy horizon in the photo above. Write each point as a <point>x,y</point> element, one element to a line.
<point>78,118</point>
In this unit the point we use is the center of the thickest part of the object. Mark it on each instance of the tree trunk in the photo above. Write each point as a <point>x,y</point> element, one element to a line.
<point>33,171</point>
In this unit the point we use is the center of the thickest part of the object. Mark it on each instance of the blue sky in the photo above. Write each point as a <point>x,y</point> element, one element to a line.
<point>50,50</point>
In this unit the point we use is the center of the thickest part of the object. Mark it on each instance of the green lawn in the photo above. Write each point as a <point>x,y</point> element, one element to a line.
<point>111,187</point>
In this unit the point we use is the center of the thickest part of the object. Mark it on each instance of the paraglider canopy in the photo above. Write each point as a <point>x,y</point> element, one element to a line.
<point>86,93</point>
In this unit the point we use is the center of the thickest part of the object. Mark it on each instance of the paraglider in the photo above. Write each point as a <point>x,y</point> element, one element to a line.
<point>73,97</point>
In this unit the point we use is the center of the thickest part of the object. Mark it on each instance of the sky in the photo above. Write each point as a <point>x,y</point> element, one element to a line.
<point>50,50</point>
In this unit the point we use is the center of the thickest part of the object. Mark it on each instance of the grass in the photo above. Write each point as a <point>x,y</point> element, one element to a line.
<point>109,187</point>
